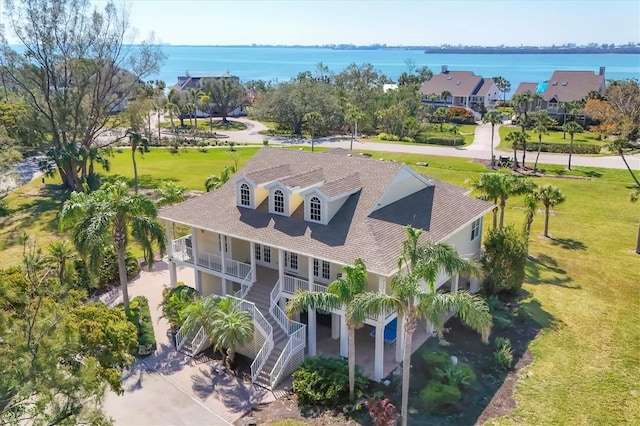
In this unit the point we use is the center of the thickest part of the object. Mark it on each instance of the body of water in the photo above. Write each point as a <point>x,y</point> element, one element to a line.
<point>283,63</point>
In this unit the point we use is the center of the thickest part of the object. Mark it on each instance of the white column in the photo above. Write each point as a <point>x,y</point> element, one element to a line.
<point>335,326</point>
<point>198,276</point>
<point>399,340</point>
<point>474,285</point>
<point>281,264</point>
<point>311,332</point>
<point>224,286</point>
<point>382,284</point>
<point>252,249</point>
<point>454,283</point>
<point>430,329</point>
<point>310,272</point>
<point>222,255</point>
<point>344,337</point>
<point>378,362</point>
<point>173,274</point>
<point>169,232</point>
<point>194,245</point>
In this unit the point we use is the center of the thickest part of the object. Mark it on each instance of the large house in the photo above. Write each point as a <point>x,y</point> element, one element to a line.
<point>289,221</point>
<point>196,81</point>
<point>464,88</point>
<point>563,87</point>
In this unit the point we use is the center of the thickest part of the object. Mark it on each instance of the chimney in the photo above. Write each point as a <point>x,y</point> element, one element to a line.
<point>445,69</point>
<point>601,71</point>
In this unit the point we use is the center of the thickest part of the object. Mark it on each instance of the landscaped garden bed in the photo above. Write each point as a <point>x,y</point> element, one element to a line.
<point>140,316</point>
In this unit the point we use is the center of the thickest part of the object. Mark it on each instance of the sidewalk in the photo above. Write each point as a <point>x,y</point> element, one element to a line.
<point>169,387</point>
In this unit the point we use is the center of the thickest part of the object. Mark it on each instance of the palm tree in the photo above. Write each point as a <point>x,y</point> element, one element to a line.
<point>619,146</point>
<point>635,196</point>
<point>572,128</point>
<point>230,329</point>
<point>172,107</point>
<point>412,301</point>
<point>137,144</point>
<point>489,185</point>
<point>550,196</point>
<point>215,182</point>
<point>542,123</point>
<point>353,115</point>
<point>108,216</point>
<point>340,293</point>
<point>60,252</point>
<point>531,207</point>
<point>445,95</point>
<point>442,114</point>
<point>512,185</point>
<point>503,86</point>
<point>518,140</point>
<point>169,192</point>
<point>312,118</point>
<point>494,117</point>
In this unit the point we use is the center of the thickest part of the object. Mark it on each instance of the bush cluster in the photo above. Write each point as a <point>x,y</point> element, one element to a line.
<point>108,273</point>
<point>440,139</point>
<point>323,381</point>
<point>563,148</point>
<point>174,301</point>
<point>503,354</point>
<point>504,260</point>
<point>140,316</point>
<point>459,115</point>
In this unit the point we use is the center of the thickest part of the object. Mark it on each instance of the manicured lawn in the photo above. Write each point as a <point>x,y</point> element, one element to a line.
<point>582,288</point>
<point>552,137</point>
<point>204,124</point>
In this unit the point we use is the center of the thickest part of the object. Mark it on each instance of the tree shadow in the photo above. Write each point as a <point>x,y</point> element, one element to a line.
<point>49,198</point>
<point>568,243</point>
<point>538,270</point>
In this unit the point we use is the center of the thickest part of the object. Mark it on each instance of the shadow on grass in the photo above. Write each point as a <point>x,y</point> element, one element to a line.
<point>544,270</point>
<point>48,199</point>
<point>568,243</point>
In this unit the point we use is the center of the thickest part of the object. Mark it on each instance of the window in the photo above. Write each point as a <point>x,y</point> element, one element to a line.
<point>266,254</point>
<point>326,269</point>
<point>226,243</point>
<point>291,260</point>
<point>278,201</point>
<point>315,209</point>
<point>475,229</point>
<point>245,197</point>
<point>258,252</point>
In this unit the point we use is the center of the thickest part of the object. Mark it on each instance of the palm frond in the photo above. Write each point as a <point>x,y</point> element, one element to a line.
<point>371,304</point>
<point>303,300</point>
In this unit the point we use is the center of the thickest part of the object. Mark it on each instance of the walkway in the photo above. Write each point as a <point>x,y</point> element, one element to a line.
<point>169,387</point>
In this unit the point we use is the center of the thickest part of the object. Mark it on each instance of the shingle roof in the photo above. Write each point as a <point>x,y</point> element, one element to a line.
<point>567,86</point>
<point>303,180</point>
<point>526,87</point>
<point>485,87</point>
<point>342,186</point>
<point>354,232</point>
<point>459,83</point>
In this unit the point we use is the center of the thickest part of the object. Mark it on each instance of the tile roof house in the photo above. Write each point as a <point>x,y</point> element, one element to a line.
<point>290,220</point>
<point>467,90</point>
<point>565,86</point>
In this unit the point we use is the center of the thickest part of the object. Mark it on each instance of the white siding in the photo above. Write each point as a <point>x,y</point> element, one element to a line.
<point>333,207</point>
<point>463,244</point>
<point>211,284</point>
<point>404,184</point>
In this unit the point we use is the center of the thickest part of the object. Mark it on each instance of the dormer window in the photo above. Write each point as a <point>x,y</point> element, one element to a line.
<point>278,201</point>
<point>245,195</point>
<point>315,209</point>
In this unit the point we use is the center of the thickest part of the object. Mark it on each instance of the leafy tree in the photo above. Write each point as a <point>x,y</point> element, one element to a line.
<point>225,93</point>
<point>572,128</point>
<point>361,85</point>
<point>413,296</point>
<point>504,259</point>
<point>550,196</point>
<point>60,253</point>
<point>542,123</point>
<point>503,86</point>
<point>107,217</point>
<point>441,115</point>
<point>494,117</point>
<point>74,72</point>
<point>518,140</point>
<point>340,293</point>
<point>214,182</point>
<point>624,98</point>
<point>415,76</point>
<point>57,354</point>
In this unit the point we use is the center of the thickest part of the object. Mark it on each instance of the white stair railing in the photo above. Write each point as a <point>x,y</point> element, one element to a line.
<point>180,338</point>
<point>245,286</point>
<point>199,342</point>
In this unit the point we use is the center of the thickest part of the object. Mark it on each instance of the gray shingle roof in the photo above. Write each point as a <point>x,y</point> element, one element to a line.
<point>353,232</point>
<point>567,86</point>
<point>458,83</point>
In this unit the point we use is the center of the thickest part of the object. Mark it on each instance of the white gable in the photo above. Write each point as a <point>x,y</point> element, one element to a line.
<point>406,182</point>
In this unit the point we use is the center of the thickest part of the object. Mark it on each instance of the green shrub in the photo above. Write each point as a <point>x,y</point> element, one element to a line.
<point>563,148</point>
<point>435,360</point>
<point>457,375</point>
<point>459,115</point>
<point>503,355</point>
<point>436,396</point>
<point>4,207</point>
<point>265,142</point>
<point>140,316</point>
<point>108,273</point>
<point>324,381</point>
<point>439,138</point>
<point>408,139</point>
<point>504,260</point>
<point>174,301</point>
<point>388,137</point>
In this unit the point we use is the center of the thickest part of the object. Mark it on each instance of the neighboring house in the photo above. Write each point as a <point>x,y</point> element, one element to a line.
<point>389,86</point>
<point>189,81</point>
<point>467,90</point>
<point>290,220</point>
<point>564,86</point>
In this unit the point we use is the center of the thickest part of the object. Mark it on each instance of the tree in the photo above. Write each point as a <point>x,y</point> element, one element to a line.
<point>361,85</point>
<point>312,119</point>
<point>494,117</point>
<point>413,296</point>
<point>489,185</point>
<point>445,95</point>
<point>624,98</point>
<point>216,181</point>
<point>531,208</point>
<point>230,329</point>
<point>340,293</point>
<point>225,93</point>
<point>353,115</point>
<point>107,217</point>
<point>550,196</point>
<point>634,196</point>
<point>542,123</point>
<point>518,140</point>
<point>620,147</point>
<point>75,71</point>
<point>60,252</point>
<point>441,115</point>
<point>57,352</point>
<point>503,86</point>
<point>169,193</point>
<point>504,259</point>
<point>572,128</point>
<point>512,185</point>
<point>138,143</point>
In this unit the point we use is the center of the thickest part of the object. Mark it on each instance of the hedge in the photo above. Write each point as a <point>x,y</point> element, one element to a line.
<point>563,148</point>
<point>440,139</point>
<point>140,316</point>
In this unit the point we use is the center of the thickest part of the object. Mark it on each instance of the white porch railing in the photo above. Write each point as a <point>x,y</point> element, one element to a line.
<point>245,286</point>
<point>291,285</point>
<point>180,339</point>
<point>295,330</point>
<point>183,251</point>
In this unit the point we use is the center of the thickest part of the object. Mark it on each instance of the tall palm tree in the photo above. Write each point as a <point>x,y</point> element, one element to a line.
<point>620,146</point>
<point>216,181</point>
<point>442,114</point>
<point>312,118</point>
<point>353,115</point>
<point>550,196</point>
<point>518,140</point>
<point>138,143</point>
<point>60,252</point>
<point>541,125</point>
<point>530,209</point>
<point>512,185</point>
<point>107,217</point>
<point>494,117</point>
<point>572,128</point>
<point>489,186</point>
<point>412,300</point>
<point>341,292</point>
<point>445,95</point>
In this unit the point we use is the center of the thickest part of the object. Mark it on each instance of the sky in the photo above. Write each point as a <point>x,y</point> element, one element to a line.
<point>364,22</point>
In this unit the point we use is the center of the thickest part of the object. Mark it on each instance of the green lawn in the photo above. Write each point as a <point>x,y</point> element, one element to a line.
<point>552,137</point>
<point>583,288</point>
<point>204,124</point>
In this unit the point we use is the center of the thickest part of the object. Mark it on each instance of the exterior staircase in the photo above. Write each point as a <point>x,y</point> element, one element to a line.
<point>260,296</point>
<point>190,344</point>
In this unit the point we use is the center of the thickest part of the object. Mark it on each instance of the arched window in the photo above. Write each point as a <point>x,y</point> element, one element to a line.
<point>278,201</point>
<point>245,196</point>
<point>315,211</point>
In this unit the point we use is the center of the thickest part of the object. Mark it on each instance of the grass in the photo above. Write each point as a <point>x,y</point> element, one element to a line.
<point>582,286</point>
<point>204,124</point>
<point>551,137</point>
